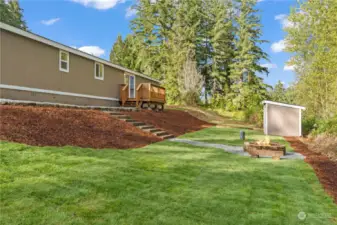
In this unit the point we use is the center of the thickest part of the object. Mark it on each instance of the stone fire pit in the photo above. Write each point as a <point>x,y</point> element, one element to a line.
<point>273,149</point>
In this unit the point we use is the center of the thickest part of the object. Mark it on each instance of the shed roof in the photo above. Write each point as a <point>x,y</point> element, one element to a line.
<point>283,104</point>
<point>74,51</point>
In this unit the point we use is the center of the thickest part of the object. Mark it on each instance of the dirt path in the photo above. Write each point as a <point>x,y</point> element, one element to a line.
<point>213,117</point>
<point>325,169</point>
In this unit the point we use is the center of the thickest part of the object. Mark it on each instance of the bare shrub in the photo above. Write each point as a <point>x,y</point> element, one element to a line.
<point>325,144</point>
<point>190,82</point>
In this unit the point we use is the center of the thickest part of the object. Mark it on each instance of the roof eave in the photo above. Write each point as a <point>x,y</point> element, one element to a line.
<point>283,104</point>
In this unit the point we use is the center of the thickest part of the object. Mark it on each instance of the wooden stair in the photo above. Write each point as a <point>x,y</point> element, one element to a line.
<point>141,125</point>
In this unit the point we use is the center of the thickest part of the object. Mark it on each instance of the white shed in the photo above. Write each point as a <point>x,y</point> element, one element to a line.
<point>282,119</point>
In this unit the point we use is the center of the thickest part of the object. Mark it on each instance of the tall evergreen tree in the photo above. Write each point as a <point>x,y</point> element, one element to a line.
<point>168,28</point>
<point>127,53</point>
<point>222,46</point>
<point>282,94</point>
<point>117,52</point>
<point>247,55</point>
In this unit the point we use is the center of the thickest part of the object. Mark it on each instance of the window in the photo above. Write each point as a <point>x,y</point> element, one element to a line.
<point>64,61</point>
<point>99,71</point>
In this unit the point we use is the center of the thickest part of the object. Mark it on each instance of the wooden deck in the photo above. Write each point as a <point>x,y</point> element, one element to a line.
<point>146,95</point>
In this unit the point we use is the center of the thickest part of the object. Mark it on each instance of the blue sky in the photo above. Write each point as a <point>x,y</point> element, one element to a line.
<point>93,26</point>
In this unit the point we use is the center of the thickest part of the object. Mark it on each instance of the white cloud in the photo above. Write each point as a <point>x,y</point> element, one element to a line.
<point>99,4</point>
<point>92,50</point>
<point>283,18</point>
<point>289,68</point>
<point>278,46</point>
<point>269,65</point>
<point>50,22</point>
<point>130,12</point>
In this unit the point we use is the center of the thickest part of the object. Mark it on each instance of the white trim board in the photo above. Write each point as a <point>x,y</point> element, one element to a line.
<point>300,123</point>
<point>68,49</point>
<point>67,61</point>
<point>20,88</point>
<point>283,104</point>
<point>99,70</point>
<point>4,101</point>
<point>265,119</point>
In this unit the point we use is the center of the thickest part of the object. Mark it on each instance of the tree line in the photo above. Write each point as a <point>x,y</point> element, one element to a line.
<point>198,46</point>
<point>312,41</point>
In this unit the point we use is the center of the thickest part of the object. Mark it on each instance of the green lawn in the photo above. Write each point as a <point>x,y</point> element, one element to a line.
<point>164,183</point>
<point>231,136</point>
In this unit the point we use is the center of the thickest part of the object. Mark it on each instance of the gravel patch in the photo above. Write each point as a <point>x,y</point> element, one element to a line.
<point>233,149</point>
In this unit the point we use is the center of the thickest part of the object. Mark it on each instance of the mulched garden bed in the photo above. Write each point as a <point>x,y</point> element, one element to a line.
<point>175,122</point>
<point>50,126</point>
<point>325,169</point>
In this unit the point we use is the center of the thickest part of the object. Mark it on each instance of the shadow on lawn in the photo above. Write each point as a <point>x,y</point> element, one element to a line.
<point>164,183</point>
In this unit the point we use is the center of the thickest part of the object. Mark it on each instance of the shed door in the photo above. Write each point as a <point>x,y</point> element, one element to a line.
<point>132,86</point>
<point>283,121</point>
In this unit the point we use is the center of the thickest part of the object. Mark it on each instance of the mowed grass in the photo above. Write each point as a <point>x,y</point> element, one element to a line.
<point>231,136</point>
<point>164,183</point>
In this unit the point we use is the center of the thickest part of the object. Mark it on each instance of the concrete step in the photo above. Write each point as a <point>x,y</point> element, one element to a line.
<point>125,117</point>
<point>167,136</point>
<point>144,127</point>
<point>138,124</point>
<point>129,120</point>
<point>160,133</point>
<point>152,130</point>
<point>114,113</point>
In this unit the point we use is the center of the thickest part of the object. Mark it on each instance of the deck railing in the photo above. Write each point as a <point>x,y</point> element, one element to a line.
<point>145,92</point>
<point>157,93</point>
<point>124,93</point>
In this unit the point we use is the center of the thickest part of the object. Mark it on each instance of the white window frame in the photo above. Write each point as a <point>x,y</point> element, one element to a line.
<point>96,77</point>
<point>60,61</point>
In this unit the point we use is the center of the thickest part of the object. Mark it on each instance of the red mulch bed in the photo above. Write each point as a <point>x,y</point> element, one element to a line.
<point>174,121</point>
<point>50,126</point>
<point>325,169</point>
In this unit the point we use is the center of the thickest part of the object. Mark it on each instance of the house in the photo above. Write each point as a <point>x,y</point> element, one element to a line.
<point>282,119</point>
<point>34,68</point>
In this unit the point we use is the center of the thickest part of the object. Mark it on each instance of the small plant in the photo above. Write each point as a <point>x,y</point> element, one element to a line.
<point>264,142</point>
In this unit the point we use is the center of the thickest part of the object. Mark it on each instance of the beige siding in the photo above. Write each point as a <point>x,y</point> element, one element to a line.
<point>140,80</point>
<point>283,121</point>
<point>28,63</point>
<point>144,80</point>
